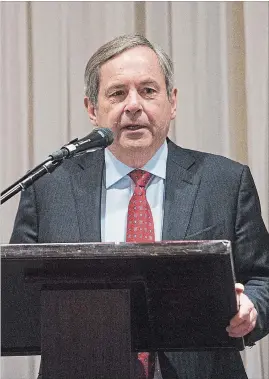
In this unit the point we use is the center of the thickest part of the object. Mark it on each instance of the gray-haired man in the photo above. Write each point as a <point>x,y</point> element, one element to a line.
<point>129,88</point>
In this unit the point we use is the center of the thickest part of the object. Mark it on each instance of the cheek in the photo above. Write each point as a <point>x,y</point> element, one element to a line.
<point>110,116</point>
<point>161,117</point>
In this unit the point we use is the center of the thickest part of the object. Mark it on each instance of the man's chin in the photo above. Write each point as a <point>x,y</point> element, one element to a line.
<point>141,138</point>
<point>139,144</point>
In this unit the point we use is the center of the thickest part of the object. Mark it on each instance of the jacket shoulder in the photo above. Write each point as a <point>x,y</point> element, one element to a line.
<point>200,160</point>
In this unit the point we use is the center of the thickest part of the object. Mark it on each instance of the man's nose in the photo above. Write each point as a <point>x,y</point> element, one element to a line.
<point>133,103</point>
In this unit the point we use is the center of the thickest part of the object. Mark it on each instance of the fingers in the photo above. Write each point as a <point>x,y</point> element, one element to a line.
<point>239,287</point>
<point>246,306</point>
<point>245,327</point>
<point>245,320</point>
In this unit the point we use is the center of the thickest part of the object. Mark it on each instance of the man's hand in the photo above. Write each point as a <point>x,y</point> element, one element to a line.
<point>245,320</point>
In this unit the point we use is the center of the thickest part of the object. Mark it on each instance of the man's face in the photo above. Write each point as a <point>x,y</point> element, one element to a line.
<point>133,102</point>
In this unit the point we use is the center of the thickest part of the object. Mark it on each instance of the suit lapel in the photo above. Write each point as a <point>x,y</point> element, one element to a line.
<point>180,192</point>
<point>87,187</point>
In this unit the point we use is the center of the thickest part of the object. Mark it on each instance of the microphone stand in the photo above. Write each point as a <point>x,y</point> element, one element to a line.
<point>49,165</point>
<point>98,139</point>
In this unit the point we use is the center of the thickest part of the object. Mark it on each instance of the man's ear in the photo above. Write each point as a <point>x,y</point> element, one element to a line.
<point>173,103</point>
<point>91,109</point>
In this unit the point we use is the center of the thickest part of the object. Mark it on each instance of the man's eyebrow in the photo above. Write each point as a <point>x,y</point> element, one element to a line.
<point>115,86</point>
<point>150,82</point>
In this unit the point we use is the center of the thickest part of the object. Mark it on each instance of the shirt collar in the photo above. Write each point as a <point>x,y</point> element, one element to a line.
<point>116,170</point>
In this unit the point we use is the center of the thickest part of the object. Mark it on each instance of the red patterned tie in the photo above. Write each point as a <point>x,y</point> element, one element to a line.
<point>140,228</point>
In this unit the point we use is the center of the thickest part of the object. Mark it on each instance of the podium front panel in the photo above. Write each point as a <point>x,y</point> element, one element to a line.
<point>182,292</point>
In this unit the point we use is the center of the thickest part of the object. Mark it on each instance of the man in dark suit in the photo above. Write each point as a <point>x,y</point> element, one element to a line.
<point>192,195</point>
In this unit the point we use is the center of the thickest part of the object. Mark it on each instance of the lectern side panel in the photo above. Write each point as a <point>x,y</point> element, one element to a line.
<point>85,334</point>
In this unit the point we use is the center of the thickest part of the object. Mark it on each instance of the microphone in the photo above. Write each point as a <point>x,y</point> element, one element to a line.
<point>99,138</point>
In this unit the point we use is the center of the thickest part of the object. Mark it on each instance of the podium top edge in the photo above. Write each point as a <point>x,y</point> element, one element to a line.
<point>114,250</point>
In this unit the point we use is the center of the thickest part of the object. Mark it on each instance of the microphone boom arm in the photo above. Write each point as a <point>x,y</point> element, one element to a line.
<point>28,179</point>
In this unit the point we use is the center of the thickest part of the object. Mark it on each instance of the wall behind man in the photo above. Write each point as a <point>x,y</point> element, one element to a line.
<point>220,51</point>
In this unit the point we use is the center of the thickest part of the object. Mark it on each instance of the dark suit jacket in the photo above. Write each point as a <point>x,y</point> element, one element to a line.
<point>206,197</point>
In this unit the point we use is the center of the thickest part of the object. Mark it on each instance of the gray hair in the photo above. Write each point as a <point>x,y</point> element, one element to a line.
<point>115,47</point>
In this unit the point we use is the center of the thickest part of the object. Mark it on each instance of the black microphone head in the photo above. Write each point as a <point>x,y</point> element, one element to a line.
<point>98,138</point>
<point>106,134</point>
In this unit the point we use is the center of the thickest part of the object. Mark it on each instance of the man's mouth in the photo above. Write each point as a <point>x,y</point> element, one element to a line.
<point>134,127</point>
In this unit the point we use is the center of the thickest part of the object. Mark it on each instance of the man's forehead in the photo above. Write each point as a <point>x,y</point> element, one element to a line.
<point>138,61</point>
<point>137,53</point>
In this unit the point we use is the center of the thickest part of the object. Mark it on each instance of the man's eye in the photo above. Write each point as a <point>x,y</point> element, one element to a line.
<point>117,93</point>
<point>149,91</point>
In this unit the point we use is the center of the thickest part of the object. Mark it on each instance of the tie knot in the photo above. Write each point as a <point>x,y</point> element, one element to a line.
<point>140,177</point>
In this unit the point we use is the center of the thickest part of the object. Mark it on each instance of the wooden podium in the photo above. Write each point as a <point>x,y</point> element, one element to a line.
<point>88,307</point>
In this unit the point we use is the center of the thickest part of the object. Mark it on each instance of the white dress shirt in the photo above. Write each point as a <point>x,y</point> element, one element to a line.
<point>119,188</point>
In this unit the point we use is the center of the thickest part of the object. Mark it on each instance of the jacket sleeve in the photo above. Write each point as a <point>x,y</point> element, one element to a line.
<point>251,254</point>
<point>25,228</point>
